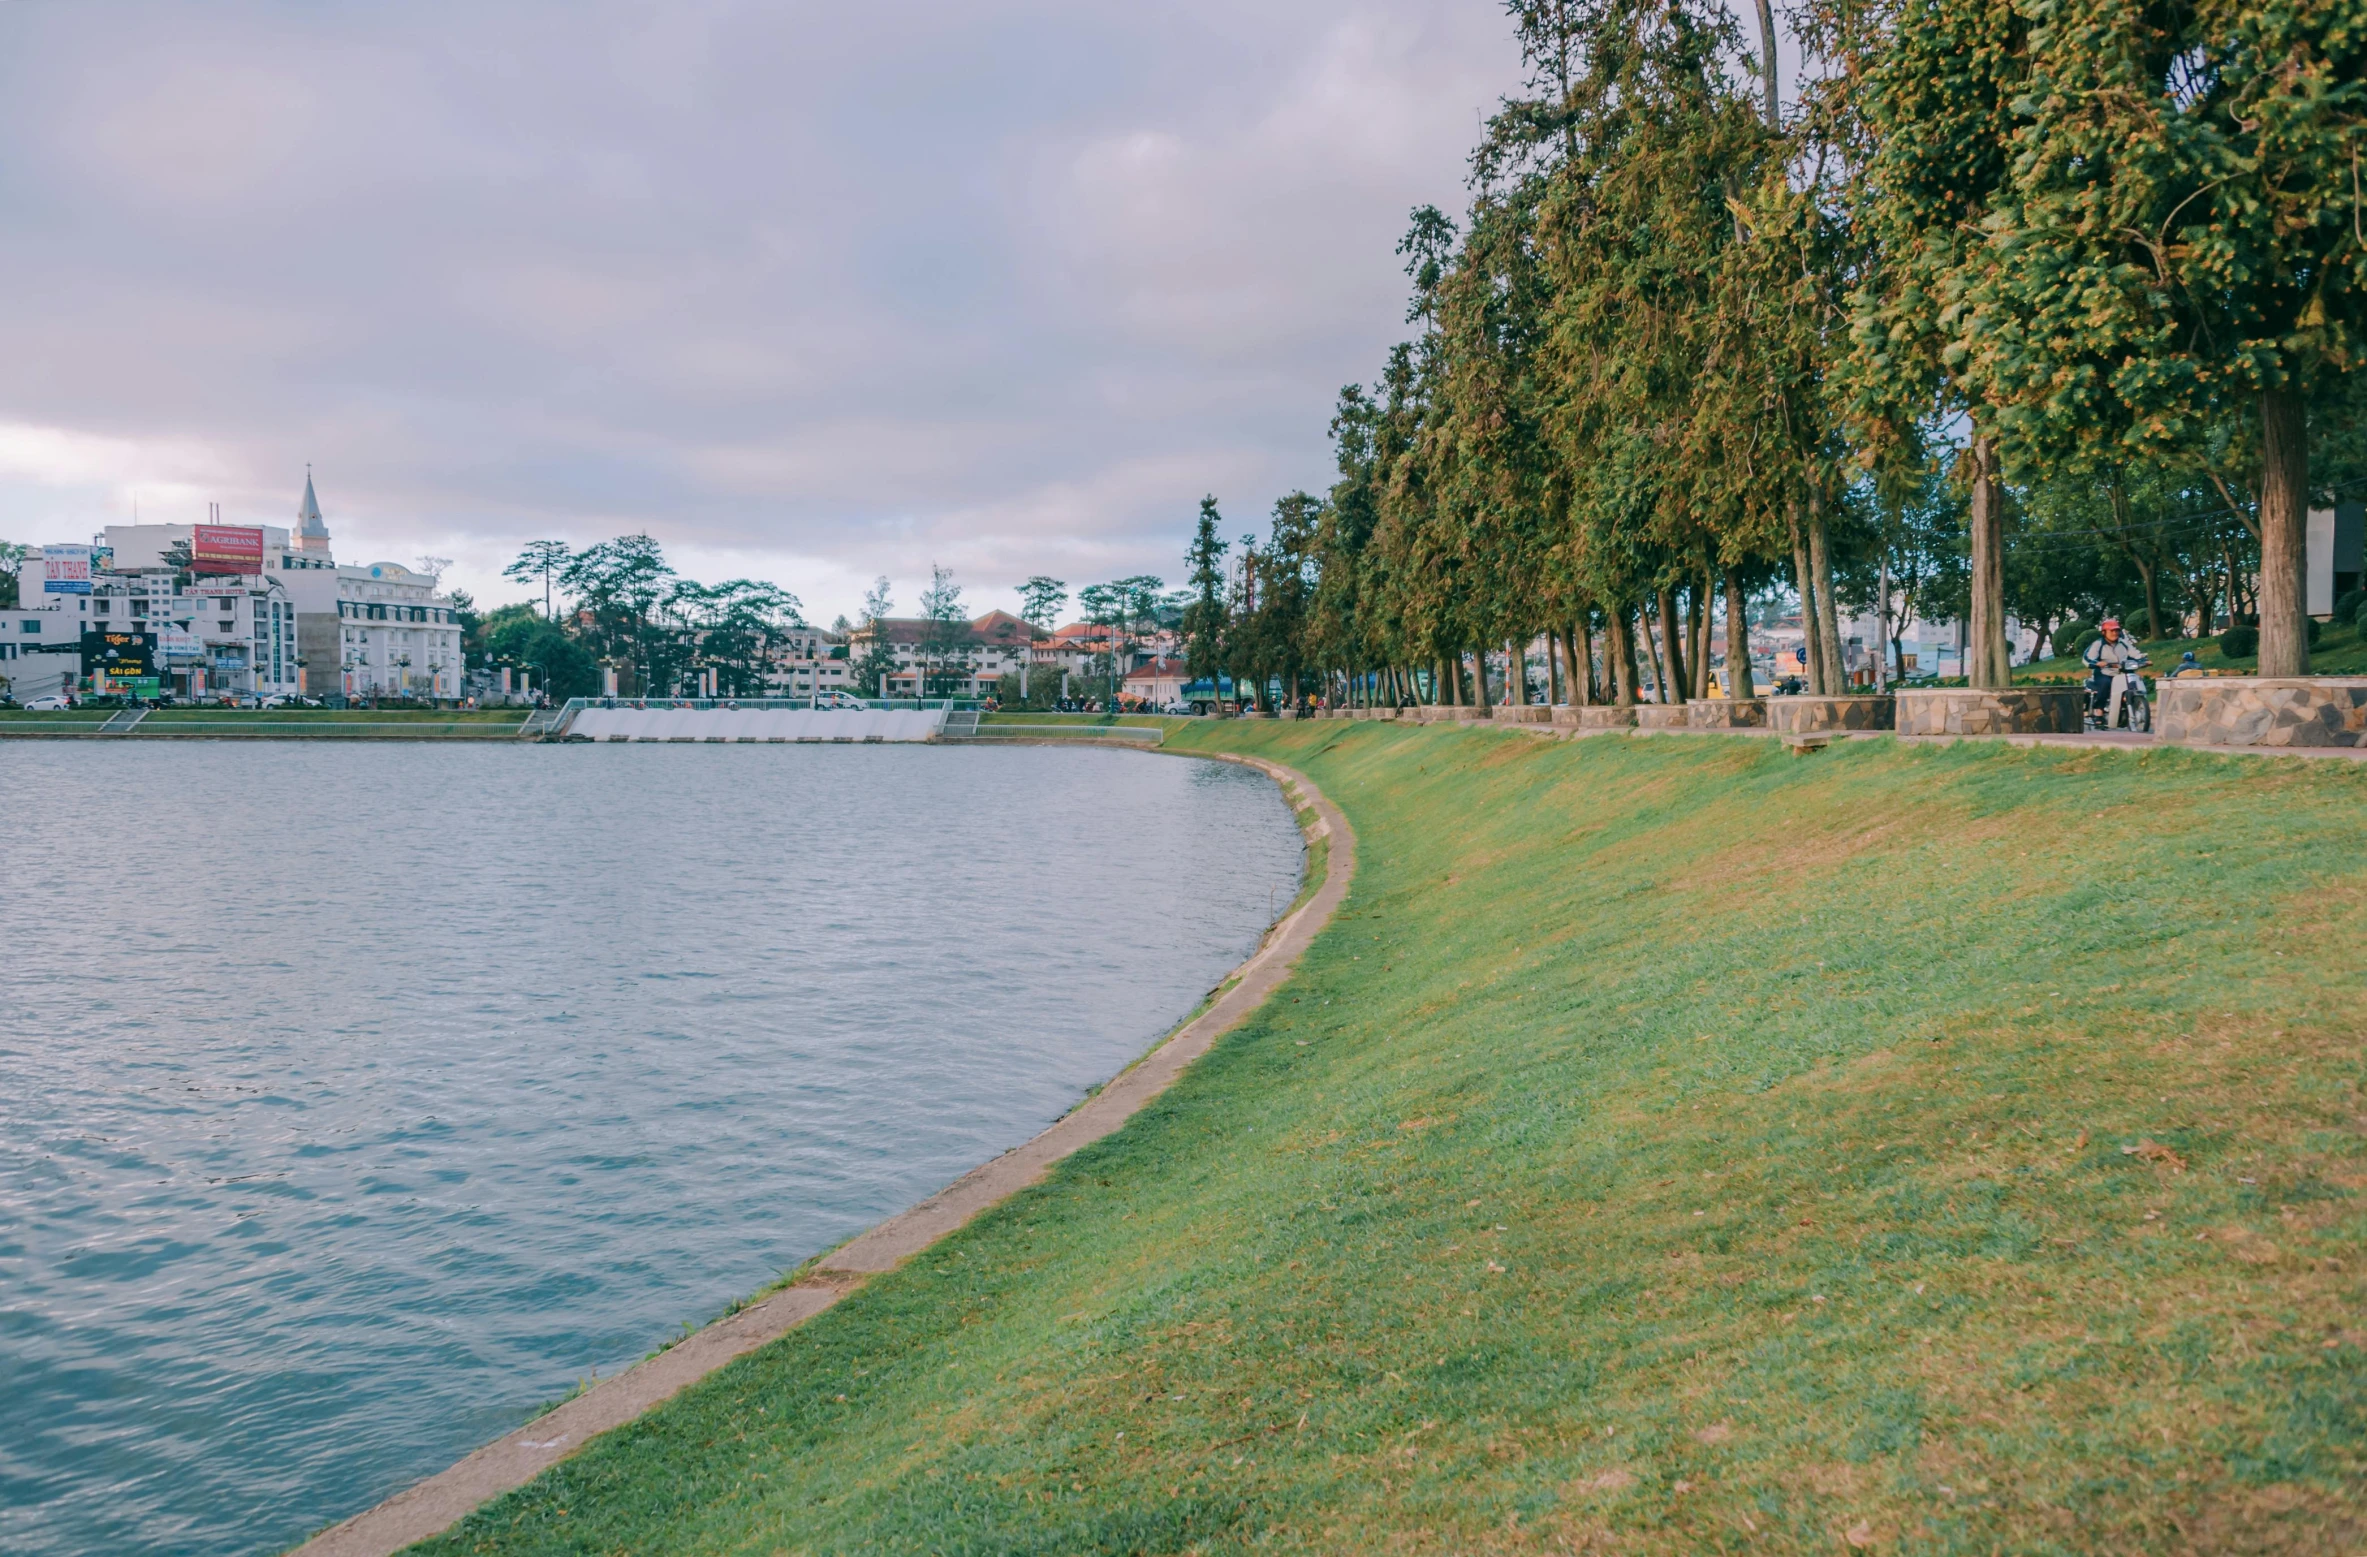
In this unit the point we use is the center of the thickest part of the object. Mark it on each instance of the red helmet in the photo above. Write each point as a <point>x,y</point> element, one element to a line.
<point>2110,621</point>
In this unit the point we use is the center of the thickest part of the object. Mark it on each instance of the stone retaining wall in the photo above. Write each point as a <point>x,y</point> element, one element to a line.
<point>1527,713</point>
<point>1810,715</point>
<point>1661,716</point>
<point>1987,711</point>
<point>1718,713</point>
<point>2263,711</point>
<point>1595,716</point>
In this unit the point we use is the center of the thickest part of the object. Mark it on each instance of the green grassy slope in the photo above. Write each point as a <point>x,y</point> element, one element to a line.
<point>1675,1146</point>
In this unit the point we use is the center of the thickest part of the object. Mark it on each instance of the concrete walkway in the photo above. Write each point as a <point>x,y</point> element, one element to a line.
<point>439,1502</point>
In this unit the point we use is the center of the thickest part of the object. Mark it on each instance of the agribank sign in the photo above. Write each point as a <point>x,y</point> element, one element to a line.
<point>65,570</point>
<point>226,548</point>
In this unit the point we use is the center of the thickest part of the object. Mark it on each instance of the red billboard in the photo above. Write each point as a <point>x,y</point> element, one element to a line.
<point>226,548</point>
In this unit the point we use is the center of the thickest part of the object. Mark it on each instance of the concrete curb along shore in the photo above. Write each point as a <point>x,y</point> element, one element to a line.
<point>511,1461</point>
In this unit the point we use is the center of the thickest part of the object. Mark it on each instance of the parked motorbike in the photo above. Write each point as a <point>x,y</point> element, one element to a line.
<point>2118,699</point>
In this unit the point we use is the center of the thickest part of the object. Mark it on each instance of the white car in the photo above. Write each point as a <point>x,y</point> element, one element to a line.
<point>47,705</point>
<point>839,700</point>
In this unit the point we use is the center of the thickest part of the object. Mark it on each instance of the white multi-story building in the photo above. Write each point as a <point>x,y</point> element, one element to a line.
<point>992,646</point>
<point>245,610</point>
<point>396,637</point>
<point>213,633</point>
<point>368,630</point>
<point>806,661</point>
<point>40,650</point>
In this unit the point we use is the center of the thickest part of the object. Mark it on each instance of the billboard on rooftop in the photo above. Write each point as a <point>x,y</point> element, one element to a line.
<point>226,548</point>
<point>65,570</point>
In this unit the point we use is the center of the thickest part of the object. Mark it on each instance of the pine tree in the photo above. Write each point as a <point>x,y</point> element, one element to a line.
<point>879,654</point>
<point>1204,619</point>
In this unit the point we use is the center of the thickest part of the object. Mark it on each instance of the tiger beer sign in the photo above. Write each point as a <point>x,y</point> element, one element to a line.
<point>226,548</point>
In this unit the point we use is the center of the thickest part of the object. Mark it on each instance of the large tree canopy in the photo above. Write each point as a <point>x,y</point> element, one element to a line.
<point>2089,268</point>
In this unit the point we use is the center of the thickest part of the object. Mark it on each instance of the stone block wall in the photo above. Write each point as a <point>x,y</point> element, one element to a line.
<point>1595,716</point>
<point>1717,713</point>
<point>1982,711</point>
<point>2262,710</point>
<point>1661,716</point>
<point>1809,715</point>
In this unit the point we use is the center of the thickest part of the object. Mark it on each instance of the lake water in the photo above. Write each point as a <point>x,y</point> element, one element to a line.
<point>357,1100</point>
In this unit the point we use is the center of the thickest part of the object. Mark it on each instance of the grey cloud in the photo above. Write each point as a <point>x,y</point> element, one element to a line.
<point>809,291</point>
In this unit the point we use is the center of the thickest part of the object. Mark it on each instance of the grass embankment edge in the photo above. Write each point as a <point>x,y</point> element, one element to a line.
<point>816,1284</point>
<point>1669,1148</point>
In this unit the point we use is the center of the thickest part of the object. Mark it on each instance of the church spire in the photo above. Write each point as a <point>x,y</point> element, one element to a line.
<point>311,534</point>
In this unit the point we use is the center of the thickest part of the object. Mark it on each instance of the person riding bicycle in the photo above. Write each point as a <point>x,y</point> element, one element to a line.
<point>2107,657</point>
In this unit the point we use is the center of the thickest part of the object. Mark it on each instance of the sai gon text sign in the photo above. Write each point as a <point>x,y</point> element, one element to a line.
<point>118,656</point>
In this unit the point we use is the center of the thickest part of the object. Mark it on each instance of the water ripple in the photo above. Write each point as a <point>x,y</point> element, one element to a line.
<point>355,1101</point>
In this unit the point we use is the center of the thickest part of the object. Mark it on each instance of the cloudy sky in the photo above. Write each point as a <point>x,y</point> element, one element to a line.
<point>808,291</point>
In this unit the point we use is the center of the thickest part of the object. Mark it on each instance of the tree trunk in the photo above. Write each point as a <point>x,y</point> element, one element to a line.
<point>1988,663</point>
<point>1482,697</point>
<point>1767,63</point>
<point>1520,674</point>
<point>1580,639</point>
<point>1686,621</point>
<point>1882,623</point>
<point>1672,638</point>
<point>1739,683</point>
<point>1438,682</point>
<point>1659,663</point>
<point>1828,611</point>
<point>1806,582</point>
<point>2284,496</point>
<point>1697,640</point>
<point>1553,668</point>
<point>1639,647</point>
<point>1620,650</point>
